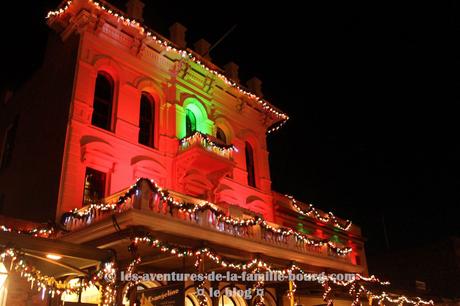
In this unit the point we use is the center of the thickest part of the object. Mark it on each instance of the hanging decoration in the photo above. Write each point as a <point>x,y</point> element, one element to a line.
<point>37,280</point>
<point>202,298</point>
<point>259,285</point>
<point>49,285</point>
<point>180,252</point>
<point>199,288</point>
<point>185,54</point>
<point>313,212</point>
<point>327,292</point>
<point>204,140</point>
<point>130,269</point>
<point>400,300</point>
<point>107,278</point>
<point>43,232</point>
<point>192,209</point>
<point>357,290</point>
<point>257,265</point>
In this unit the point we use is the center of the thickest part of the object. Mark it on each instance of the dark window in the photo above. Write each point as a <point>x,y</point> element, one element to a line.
<point>146,120</point>
<point>95,182</point>
<point>221,135</point>
<point>250,164</point>
<point>190,122</point>
<point>8,144</point>
<point>103,100</point>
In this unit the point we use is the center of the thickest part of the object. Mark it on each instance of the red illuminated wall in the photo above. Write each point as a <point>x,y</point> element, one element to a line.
<point>173,86</point>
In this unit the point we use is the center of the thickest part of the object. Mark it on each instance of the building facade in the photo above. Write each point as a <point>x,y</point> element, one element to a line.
<point>115,102</point>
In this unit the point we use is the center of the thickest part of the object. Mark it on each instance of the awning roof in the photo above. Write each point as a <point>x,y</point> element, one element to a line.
<point>75,258</point>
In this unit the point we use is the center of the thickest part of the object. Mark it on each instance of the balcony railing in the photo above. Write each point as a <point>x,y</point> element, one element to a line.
<point>207,142</point>
<point>141,197</point>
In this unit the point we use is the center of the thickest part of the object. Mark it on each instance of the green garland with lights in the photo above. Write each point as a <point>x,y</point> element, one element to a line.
<point>192,209</point>
<point>328,218</point>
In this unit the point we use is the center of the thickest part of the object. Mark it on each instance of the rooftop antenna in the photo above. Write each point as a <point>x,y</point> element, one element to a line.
<point>221,39</point>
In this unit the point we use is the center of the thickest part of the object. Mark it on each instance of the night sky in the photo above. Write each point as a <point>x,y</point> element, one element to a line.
<point>371,88</point>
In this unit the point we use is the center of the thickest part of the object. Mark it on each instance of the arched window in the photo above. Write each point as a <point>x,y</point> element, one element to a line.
<point>221,135</point>
<point>250,164</point>
<point>233,296</point>
<point>103,100</point>
<point>226,301</point>
<point>189,301</point>
<point>190,122</point>
<point>146,120</point>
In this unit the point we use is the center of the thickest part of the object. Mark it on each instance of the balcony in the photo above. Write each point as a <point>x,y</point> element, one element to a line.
<point>145,205</point>
<point>200,163</point>
<point>208,143</point>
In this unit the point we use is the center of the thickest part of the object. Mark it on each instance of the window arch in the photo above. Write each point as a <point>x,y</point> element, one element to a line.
<point>190,122</point>
<point>250,164</point>
<point>226,301</point>
<point>197,120</point>
<point>191,298</point>
<point>220,134</point>
<point>232,295</point>
<point>103,101</point>
<point>147,120</point>
<point>189,301</point>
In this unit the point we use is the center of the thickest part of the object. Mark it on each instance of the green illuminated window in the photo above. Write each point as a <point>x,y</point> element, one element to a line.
<point>190,122</point>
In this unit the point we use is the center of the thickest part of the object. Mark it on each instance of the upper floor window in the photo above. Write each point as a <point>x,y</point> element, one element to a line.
<point>103,101</point>
<point>190,122</point>
<point>95,186</point>
<point>8,144</point>
<point>221,135</point>
<point>250,164</point>
<point>146,120</point>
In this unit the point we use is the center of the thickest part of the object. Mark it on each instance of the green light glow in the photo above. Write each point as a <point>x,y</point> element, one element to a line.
<point>203,124</point>
<point>335,238</point>
<point>301,229</point>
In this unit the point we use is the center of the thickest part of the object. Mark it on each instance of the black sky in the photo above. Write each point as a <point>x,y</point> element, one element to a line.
<point>371,89</point>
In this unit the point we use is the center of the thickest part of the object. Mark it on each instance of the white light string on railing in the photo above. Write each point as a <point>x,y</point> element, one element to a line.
<point>313,212</point>
<point>192,208</point>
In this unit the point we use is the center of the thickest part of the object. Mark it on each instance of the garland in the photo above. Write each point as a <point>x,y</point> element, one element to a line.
<point>206,142</point>
<point>149,34</point>
<point>258,299</point>
<point>48,284</point>
<point>399,300</point>
<point>180,252</point>
<point>106,277</point>
<point>357,290</point>
<point>43,232</point>
<point>258,265</point>
<point>191,208</point>
<point>328,218</point>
